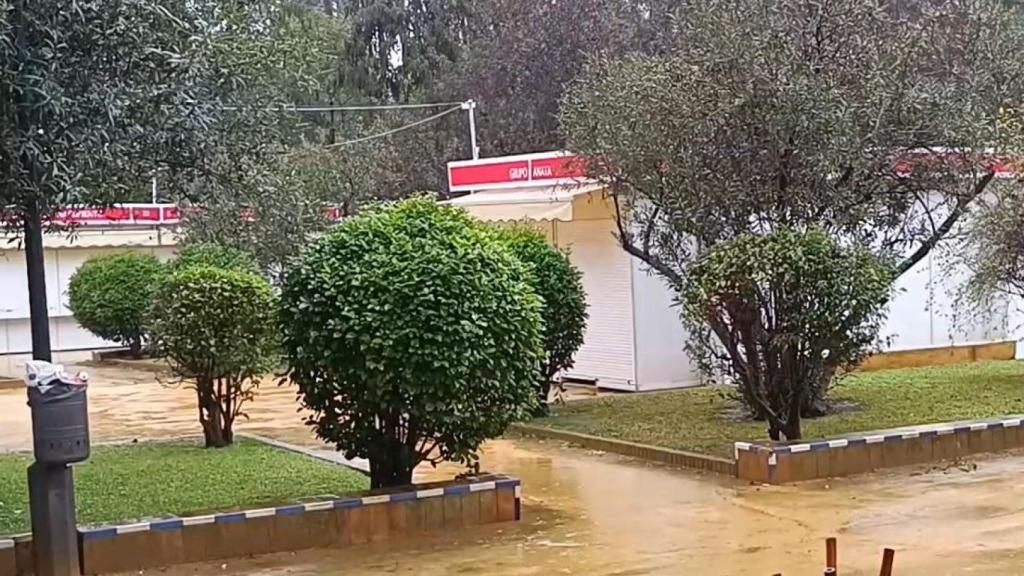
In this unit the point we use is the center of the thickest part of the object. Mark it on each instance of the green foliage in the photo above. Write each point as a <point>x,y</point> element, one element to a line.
<point>145,481</point>
<point>95,95</point>
<point>412,335</point>
<point>217,328</point>
<point>788,309</point>
<point>213,256</point>
<point>111,295</point>
<point>559,285</point>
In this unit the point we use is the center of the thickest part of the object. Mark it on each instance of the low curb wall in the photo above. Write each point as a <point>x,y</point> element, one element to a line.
<point>940,356</point>
<point>392,515</point>
<point>11,383</point>
<point>679,458</point>
<point>860,453</point>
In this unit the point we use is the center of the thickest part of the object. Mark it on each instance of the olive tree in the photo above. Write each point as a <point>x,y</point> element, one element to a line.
<point>412,336</point>
<point>217,328</point>
<point>558,284</point>
<point>94,95</point>
<point>991,252</point>
<point>111,295</point>
<point>790,309</point>
<point>878,123</point>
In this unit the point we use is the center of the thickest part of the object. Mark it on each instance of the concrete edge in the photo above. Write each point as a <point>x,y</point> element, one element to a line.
<point>334,522</point>
<point>882,436</point>
<point>11,383</point>
<point>864,452</point>
<point>691,460</point>
<point>454,488</point>
<point>358,466</point>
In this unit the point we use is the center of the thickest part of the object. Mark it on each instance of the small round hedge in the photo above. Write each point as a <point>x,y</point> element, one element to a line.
<point>214,256</point>
<point>216,322</point>
<point>111,296</point>
<point>559,285</point>
<point>413,336</point>
<point>217,328</point>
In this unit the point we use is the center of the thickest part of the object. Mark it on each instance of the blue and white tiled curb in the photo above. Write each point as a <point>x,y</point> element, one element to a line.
<point>879,438</point>
<point>171,524</point>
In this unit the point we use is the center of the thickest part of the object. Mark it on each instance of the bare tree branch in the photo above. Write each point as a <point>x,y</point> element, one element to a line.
<point>946,226</point>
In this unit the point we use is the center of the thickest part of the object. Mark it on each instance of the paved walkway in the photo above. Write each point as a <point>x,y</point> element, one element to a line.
<point>128,404</point>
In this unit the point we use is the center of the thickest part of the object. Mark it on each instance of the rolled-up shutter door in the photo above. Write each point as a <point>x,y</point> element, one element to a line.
<point>607,353</point>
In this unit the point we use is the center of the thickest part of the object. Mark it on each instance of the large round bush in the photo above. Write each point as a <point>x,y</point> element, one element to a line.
<point>215,256</point>
<point>559,285</point>
<point>111,295</point>
<point>218,330</point>
<point>413,336</point>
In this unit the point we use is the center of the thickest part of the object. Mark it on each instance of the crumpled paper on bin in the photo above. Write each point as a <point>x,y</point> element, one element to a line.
<point>45,375</point>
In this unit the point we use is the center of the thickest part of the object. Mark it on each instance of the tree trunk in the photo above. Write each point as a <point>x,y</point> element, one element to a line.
<point>217,430</point>
<point>135,348</point>
<point>543,393</point>
<point>389,472</point>
<point>792,428</point>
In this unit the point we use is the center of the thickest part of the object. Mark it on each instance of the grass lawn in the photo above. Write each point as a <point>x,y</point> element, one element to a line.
<point>141,481</point>
<point>704,420</point>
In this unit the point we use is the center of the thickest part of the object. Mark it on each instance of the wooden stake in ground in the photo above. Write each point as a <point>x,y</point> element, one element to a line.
<point>887,559</point>
<point>831,566</point>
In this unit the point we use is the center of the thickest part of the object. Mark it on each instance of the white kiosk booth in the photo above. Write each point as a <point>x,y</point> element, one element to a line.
<point>634,339</point>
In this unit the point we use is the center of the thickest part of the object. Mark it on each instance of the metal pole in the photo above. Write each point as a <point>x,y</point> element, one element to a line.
<point>51,490</point>
<point>153,194</point>
<point>39,317</point>
<point>470,106</point>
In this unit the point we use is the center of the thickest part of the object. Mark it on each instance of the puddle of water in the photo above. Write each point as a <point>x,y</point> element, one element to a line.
<point>604,515</point>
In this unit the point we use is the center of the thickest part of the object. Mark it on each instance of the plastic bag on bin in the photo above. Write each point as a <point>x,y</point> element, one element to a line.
<point>43,376</point>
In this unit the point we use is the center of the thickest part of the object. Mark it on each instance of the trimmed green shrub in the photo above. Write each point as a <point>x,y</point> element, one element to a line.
<point>559,285</point>
<point>785,312</point>
<point>111,295</point>
<point>413,336</point>
<point>215,256</point>
<point>218,330</point>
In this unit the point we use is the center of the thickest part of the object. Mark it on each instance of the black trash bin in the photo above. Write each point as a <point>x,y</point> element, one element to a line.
<point>60,422</point>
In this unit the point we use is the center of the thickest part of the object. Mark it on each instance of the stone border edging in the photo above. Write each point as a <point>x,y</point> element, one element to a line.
<point>865,452</point>
<point>330,523</point>
<point>679,458</point>
<point>362,466</point>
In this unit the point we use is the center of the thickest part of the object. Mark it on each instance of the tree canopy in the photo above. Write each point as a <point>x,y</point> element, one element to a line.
<point>873,121</point>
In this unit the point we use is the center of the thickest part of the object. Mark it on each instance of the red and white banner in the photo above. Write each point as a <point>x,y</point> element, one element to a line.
<point>123,215</point>
<point>547,169</point>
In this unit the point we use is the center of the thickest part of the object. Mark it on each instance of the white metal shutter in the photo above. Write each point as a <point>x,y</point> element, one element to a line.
<point>607,352</point>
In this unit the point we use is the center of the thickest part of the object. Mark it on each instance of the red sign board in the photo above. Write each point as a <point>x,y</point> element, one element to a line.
<point>515,171</point>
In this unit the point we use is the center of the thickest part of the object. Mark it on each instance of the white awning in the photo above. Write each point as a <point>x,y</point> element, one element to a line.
<point>539,204</point>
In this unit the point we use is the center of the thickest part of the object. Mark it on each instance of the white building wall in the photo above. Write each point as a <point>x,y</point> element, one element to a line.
<point>922,313</point>
<point>661,361</point>
<point>63,257</point>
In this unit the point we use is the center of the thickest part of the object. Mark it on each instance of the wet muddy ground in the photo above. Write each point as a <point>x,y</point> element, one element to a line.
<point>605,515</point>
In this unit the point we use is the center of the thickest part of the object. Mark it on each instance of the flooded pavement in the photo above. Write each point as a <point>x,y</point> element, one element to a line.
<point>127,404</point>
<point>605,515</point>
